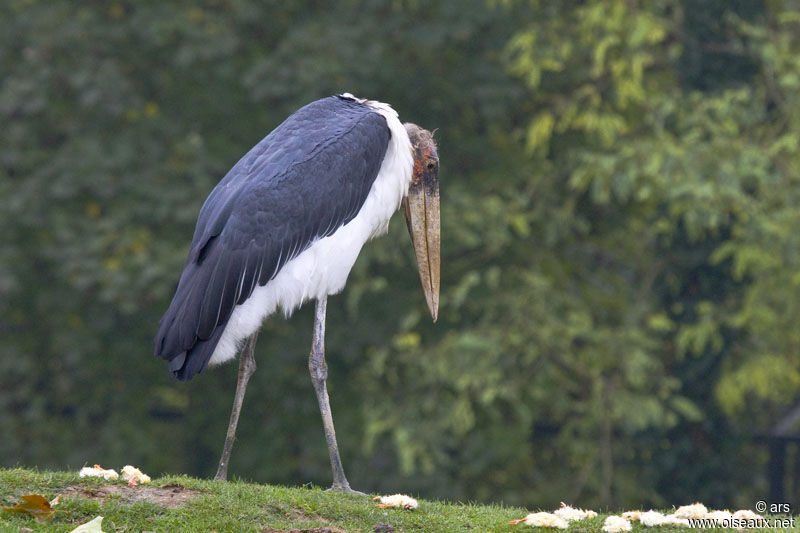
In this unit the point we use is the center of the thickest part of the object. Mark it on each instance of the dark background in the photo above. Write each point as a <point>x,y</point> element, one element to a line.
<point>621,255</point>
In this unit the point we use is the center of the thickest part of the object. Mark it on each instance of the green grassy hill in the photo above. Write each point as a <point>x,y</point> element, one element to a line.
<point>180,503</point>
<point>188,504</point>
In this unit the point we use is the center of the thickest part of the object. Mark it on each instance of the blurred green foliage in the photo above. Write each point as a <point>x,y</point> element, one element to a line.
<point>621,255</point>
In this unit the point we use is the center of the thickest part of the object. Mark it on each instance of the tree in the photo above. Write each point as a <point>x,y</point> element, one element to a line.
<point>619,185</point>
<point>681,184</point>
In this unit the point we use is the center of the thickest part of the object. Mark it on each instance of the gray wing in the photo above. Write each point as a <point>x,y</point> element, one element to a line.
<point>303,181</point>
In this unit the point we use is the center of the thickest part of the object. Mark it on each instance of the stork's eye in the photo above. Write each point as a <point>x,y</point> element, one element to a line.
<point>431,165</point>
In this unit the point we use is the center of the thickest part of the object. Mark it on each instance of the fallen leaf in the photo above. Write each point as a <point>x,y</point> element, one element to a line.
<point>92,526</point>
<point>35,505</point>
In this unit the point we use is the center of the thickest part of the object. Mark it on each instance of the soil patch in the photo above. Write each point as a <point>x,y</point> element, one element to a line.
<point>167,496</point>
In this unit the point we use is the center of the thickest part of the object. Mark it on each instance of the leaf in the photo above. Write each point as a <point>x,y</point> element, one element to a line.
<point>35,505</point>
<point>540,131</point>
<point>93,526</point>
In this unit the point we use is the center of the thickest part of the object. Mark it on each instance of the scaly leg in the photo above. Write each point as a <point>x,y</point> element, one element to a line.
<point>319,374</point>
<point>247,365</point>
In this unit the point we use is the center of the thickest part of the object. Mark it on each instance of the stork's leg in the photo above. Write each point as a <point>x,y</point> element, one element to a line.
<point>319,374</point>
<point>247,365</point>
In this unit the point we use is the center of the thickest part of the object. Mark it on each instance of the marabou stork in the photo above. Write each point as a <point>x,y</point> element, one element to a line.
<point>286,224</point>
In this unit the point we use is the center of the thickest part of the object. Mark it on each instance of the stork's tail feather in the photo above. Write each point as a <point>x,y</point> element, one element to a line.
<point>179,338</point>
<point>187,354</point>
<point>186,364</point>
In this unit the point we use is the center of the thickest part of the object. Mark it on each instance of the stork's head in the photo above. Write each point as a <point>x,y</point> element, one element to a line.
<point>421,207</point>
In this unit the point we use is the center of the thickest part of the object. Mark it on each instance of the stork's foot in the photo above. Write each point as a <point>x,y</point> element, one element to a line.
<point>338,487</point>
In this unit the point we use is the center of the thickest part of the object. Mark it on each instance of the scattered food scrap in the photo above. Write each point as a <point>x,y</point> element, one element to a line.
<point>560,518</point>
<point>747,514</point>
<point>134,476</point>
<point>571,514</point>
<point>396,501</point>
<point>685,513</point>
<point>93,526</point>
<point>672,520</point>
<point>719,516</point>
<point>634,516</point>
<point>651,518</point>
<point>615,524</point>
<point>542,520</point>
<point>696,510</point>
<point>654,518</point>
<point>131,474</point>
<point>98,471</point>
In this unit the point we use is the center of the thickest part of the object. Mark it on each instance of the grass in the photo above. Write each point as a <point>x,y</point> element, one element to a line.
<point>234,506</point>
<point>240,506</point>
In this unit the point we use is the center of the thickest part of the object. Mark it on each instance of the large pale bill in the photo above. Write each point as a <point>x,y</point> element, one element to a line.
<point>421,208</point>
